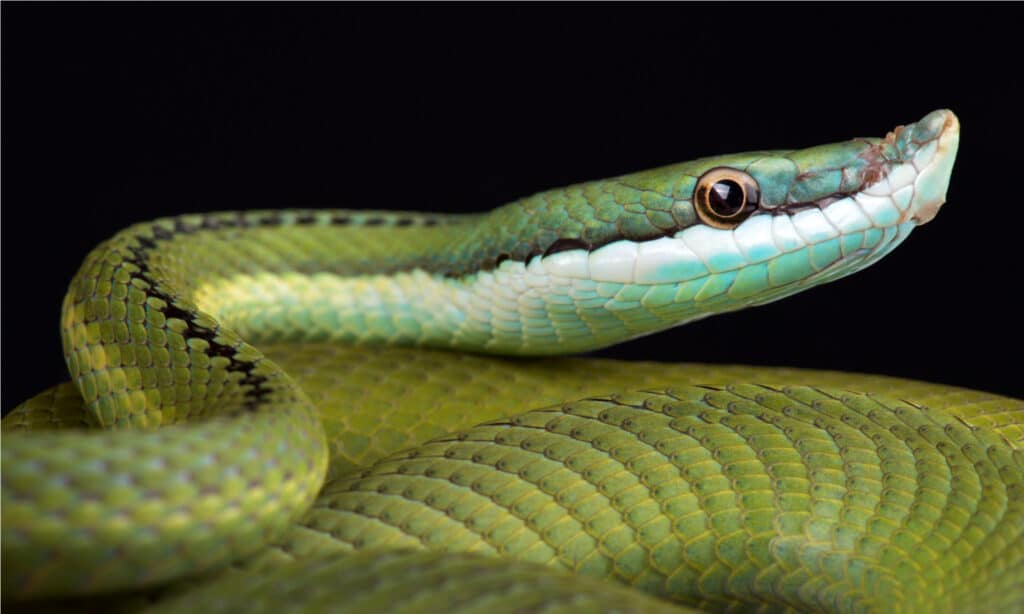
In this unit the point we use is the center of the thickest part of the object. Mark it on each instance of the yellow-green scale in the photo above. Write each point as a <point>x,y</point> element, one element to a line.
<point>719,487</point>
<point>829,485</point>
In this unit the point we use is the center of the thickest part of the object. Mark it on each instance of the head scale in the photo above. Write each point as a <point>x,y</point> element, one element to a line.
<point>678,243</point>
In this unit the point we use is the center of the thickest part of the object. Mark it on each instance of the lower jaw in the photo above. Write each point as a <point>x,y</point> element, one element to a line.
<point>514,309</point>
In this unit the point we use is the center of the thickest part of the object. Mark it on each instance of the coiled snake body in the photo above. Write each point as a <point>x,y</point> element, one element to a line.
<point>405,468</point>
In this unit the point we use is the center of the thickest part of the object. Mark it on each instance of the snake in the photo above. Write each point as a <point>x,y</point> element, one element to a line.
<point>373,410</point>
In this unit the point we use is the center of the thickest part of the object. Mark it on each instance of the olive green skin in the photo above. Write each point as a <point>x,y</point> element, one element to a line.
<point>714,487</point>
<point>375,400</point>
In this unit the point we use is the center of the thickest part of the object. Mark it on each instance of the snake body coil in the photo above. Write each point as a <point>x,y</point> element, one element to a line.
<point>717,488</point>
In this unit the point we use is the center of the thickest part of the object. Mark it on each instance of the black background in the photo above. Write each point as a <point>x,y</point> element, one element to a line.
<point>117,113</point>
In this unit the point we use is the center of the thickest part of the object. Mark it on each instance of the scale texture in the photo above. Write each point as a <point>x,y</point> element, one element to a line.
<point>361,411</point>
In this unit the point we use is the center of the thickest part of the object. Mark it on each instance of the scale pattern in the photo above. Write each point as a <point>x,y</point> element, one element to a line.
<point>376,400</point>
<point>803,498</point>
<point>414,582</point>
<point>788,493</point>
<point>828,483</point>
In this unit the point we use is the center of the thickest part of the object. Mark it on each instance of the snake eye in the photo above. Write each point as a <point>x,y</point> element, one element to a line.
<point>725,197</point>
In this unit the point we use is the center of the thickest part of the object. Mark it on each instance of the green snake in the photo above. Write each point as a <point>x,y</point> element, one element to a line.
<point>349,420</point>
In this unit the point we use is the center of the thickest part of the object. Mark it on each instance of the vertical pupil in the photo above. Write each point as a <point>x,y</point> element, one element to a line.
<point>726,198</point>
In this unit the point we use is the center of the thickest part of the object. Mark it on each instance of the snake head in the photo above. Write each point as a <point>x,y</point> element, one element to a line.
<point>655,249</point>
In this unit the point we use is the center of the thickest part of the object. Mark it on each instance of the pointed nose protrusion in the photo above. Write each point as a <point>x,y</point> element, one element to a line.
<point>937,136</point>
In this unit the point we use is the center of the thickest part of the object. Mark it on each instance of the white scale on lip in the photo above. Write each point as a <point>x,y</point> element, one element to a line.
<point>878,188</point>
<point>902,175</point>
<point>847,215</point>
<point>667,260</point>
<point>570,263</point>
<point>903,197</point>
<point>925,155</point>
<point>714,246</point>
<point>879,208</point>
<point>750,236</point>
<point>812,225</point>
<point>614,262</point>
<point>785,234</point>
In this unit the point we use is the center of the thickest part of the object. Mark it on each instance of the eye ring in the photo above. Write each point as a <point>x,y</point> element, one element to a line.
<point>724,197</point>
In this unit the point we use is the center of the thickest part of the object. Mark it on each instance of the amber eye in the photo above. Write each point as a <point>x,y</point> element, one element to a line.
<point>725,197</point>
